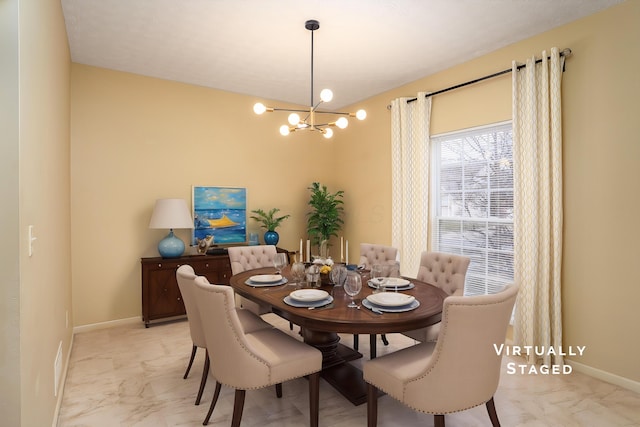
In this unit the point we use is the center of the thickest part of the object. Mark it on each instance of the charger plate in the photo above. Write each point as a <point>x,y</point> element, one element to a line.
<point>295,303</point>
<point>415,304</point>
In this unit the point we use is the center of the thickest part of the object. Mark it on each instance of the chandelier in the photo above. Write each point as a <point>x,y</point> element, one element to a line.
<point>296,123</point>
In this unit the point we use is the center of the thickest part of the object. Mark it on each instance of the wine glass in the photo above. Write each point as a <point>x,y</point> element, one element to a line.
<point>352,287</point>
<point>279,261</point>
<point>297,272</point>
<point>379,272</point>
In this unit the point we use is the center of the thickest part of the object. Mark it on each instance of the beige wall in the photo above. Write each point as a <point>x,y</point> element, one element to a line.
<point>135,139</point>
<point>601,170</point>
<point>36,292</point>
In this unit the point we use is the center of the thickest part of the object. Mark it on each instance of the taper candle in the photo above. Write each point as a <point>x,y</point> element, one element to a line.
<point>347,250</point>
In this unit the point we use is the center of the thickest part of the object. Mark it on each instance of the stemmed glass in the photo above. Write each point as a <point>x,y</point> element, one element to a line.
<point>352,287</point>
<point>297,272</point>
<point>279,261</point>
<point>379,272</point>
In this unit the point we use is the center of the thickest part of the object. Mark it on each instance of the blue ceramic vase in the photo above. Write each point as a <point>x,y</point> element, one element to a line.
<point>271,238</point>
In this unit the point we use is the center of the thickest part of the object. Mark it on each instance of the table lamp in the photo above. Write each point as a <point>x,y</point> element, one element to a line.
<point>171,213</point>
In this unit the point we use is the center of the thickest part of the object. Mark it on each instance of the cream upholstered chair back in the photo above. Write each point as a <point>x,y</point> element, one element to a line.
<point>371,254</point>
<point>185,277</point>
<point>250,360</point>
<point>459,371</point>
<point>446,271</point>
<point>225,332</point>
<point>245,258</point>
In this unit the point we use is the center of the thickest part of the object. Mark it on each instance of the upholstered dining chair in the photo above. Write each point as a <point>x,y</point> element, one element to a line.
<point>446,271</point>
<point>371,254</point>
<point>459,371</point>
<point>247,258</point>
<point>250,322</point>
<point>251,360</point>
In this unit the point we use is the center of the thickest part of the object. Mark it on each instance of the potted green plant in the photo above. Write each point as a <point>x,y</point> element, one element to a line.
<point>325,218</point>
<point>269,221</point>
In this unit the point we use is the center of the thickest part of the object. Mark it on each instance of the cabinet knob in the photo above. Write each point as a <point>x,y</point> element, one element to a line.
<point>159,265</point>
<point>179,299</point>
<point>207,265</point>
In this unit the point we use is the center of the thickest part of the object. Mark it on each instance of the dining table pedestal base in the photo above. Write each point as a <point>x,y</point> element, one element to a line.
<point>344,377</point>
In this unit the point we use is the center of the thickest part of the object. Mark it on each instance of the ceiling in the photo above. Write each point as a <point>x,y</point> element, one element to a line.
<point>261,48</point>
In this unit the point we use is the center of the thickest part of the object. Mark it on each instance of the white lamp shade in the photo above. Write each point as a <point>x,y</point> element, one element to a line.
<point>171,214</point>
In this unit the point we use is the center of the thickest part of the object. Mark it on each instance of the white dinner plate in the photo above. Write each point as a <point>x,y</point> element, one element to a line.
<point>266,278</point>
<point>415,304</point>
<point>396,282</point>
<point>373,283</point>
<point>309,295</point>
<point>391,299</point>
<point>259,285</point>
<point>295,303</point>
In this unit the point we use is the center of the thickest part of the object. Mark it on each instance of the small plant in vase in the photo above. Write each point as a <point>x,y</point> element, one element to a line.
<point>269,221</point>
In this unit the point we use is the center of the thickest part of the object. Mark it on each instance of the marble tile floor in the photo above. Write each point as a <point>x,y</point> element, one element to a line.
<point>132,376</point>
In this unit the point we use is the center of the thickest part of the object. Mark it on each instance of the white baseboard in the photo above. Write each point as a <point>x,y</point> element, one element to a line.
<point>599,374</point>
<point>105,325</point>
<point>605,376</point>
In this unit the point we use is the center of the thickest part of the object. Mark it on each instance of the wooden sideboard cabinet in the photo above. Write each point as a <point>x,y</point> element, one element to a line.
<point>161,297</point>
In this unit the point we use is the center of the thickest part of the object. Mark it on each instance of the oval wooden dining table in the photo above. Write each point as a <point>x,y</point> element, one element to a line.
<point>320,327</point>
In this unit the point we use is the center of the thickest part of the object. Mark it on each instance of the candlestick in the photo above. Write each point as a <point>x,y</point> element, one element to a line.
<point>347,250</point>
<point>301,254</point>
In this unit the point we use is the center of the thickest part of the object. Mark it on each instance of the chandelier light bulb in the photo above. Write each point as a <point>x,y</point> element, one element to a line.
<point>361,115</point>
<point>342,122</point>
<point>326,95</point>
<point>259,108</point>
<point>294,119</point>
<point>284,130</point>
<point>328,133</point>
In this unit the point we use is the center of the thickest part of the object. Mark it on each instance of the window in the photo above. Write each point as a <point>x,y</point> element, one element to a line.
<point>472,196</point>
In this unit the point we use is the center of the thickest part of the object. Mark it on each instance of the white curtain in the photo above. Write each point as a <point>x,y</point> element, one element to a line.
<point>537,153</point>
<point>410,179</point>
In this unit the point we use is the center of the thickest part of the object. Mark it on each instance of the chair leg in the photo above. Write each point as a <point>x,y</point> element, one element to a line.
<point>372,405</point>
<point>193,355</point>
<point>384,339</point>
<point>355,342</point>
<point>238,406</point>
<point>213,403</point>
<point>438,420</point>
<point>314,398</point>
<point>279,390</point>
<point>493,415</point>
<point>372,346</point>
<point>205,374</point>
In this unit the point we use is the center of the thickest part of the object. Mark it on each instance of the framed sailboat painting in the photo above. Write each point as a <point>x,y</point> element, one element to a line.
<point>220,212</point>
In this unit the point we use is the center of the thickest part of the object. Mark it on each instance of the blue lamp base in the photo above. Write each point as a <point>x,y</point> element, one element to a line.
<point>171,246</point>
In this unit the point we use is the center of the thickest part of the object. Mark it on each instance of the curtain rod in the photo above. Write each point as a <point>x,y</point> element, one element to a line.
<point>565,52</point>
